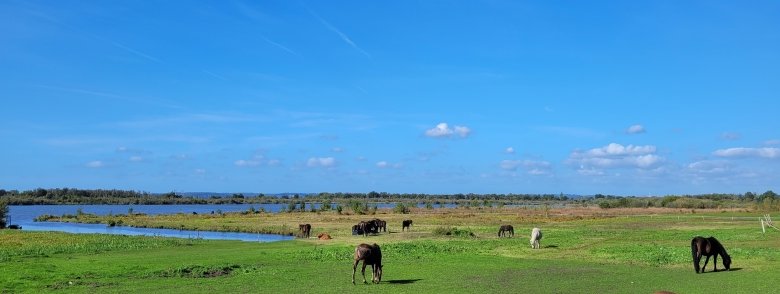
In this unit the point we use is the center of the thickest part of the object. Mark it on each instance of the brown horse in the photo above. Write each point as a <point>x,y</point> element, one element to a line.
<point>504,229</point>
<point>304,230</point>
<point>369,254</point>
<point>407,224</point>
<point>701,246</point>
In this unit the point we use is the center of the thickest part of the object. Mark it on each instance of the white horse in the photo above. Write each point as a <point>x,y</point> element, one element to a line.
<point>536,235</point>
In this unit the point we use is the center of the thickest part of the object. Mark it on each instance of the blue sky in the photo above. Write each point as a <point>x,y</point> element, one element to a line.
<point>612,97</point>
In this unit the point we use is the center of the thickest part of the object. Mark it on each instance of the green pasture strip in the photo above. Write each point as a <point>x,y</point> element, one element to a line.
<point>617,254</point>
<point>425,266</point>
<point>15,243</point>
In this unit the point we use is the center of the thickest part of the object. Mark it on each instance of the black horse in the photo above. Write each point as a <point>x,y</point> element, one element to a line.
<point>504,229</point>
<point>701,246</point>
<point>407,224</point>
<point>370,255</point>
<point>304,230</point>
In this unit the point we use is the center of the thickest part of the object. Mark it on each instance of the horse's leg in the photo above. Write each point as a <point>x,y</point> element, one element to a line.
<point>364,272</point>
<point>703,268</point>
<point>373,274</point>
<point>354,267</point>
<point>715,261</point>
<point>696,261</point>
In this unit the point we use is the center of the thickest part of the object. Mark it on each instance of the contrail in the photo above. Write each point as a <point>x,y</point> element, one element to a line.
<point>136,52</point>
<point>342,35</point>
<point>280,46</point>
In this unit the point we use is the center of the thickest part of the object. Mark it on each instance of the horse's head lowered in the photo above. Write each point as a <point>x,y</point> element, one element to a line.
<point>726,260</point>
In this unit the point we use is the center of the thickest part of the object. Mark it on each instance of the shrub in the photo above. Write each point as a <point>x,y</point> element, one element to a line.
<point>400,208</point>
<point>453,231</point>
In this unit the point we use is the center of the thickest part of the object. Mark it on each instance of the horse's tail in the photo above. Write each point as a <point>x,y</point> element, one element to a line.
<point>499,231</point>
<point>694,250</point>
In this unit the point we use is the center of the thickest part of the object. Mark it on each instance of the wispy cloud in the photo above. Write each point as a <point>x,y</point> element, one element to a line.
<point>532,167</point>
<point>343,36</point>
<point>773,142</point>
<point>215,75</point>
<point>95,164</point>
<point>748,152</point>
<point>730,136</point>
<point>139,100</point>
<point>510,150</point>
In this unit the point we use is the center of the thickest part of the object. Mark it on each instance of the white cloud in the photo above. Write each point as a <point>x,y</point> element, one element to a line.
<point>136,158</point>
<point>443,130</point>
<point>247,162</point>
<point>200,171</point>
<point>709,167</point>
<point>463,132</point>
<point>255,161</point>
<point>590,171</point>
<point>385,164</point>
<point>635,129</point>
<point>614,149</point>
<point>321,162</point>
<point>337,149</point>
<point>510,150</point>
<point>532,167</point>
<point>616,156</point>
<point>765,152</point>
<point>95,164</point>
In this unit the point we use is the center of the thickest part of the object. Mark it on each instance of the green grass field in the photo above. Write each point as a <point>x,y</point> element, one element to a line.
<point>582,252</point>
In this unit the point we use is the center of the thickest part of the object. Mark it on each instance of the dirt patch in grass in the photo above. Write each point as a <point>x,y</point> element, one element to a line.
<point>197,271</point>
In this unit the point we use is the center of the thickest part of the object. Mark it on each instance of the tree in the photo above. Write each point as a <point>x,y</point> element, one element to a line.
<point>3,213</point>
<point>767,195</point>
<point>750,196</point>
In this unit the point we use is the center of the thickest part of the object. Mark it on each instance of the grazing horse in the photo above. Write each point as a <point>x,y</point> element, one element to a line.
<point>304,230</point>
<point>506,229</point>
<point>701,246</point>
<point>407,224</point>
<point>367,227</point>
<point>369,254</point>
<point>536,236</point>
<point>380,225</point>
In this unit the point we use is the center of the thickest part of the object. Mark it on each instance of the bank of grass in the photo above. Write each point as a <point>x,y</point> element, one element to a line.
<point>581,252</point>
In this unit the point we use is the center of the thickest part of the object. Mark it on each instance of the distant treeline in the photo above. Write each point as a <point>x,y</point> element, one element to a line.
<point>766,200</point>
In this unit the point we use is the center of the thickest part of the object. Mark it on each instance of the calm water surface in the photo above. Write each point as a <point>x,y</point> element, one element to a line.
<point>24,215</point>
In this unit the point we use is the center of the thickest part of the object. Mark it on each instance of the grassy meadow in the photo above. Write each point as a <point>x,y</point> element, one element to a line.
<point>584,250</point>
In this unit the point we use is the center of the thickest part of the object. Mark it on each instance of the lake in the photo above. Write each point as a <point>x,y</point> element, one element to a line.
<point>24,215</point>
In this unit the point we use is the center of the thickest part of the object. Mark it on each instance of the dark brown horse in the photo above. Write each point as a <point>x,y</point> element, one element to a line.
<point>407,224</point>
<point>504,229</point>
<point>370,255</point>
<point>304,230</point>
<point>701,246</point>
<point>380,225</point>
